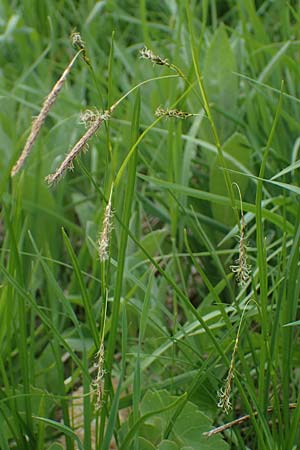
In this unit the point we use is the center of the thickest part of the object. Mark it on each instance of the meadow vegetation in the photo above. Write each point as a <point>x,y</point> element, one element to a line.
<point>150,224</point>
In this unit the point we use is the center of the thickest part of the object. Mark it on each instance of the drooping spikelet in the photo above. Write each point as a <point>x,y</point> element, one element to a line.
<point>40,119</point>
<point>67,163</point>
<point>98,382</point>
<point>241,268</point>
<point>224,393</point>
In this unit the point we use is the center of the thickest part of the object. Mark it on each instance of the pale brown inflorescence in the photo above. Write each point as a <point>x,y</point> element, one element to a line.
<point>78,147</point>
<point>88,117</point>
<point>103,241</point>
<point>40,119</point>
<point>98,382</point>
<point>241,268</point>
<point>224,393</point>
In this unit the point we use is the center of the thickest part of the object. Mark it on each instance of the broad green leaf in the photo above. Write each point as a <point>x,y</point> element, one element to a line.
<point>188,429</point>
<point>84,208</point>
<point>78,346</point>
<point>167,445</point>
<point>42,211</point>
<point>92,230</point>
<point>143,444</point>
<point>143,421</point>
<point>238,147</point>
<point>220,83</point>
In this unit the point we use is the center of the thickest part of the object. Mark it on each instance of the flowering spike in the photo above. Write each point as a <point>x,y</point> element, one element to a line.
<point>155,59</point>
<point>104,238</point>
<point>40,119</point>
<point>161,112</point>
<point>97,384</point>
<point>241,268</point>
<point>96,121</point>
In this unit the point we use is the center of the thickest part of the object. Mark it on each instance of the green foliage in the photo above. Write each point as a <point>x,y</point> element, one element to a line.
<point>187,431</point>
<point>156,410</point>
<point>221,84</point>
<point>238,154</point>
<point>164,301</point>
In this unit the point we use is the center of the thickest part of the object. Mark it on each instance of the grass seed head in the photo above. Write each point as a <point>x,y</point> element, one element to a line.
<point>77,41</point>
<point>155,59</point>
<point>88,117</point>
<point>98,383</point>
<point>241,268</point>
<point>81,145</point>
<point>104,238</point>
<point>40,119</point>
<point>161,112</point>
<point>79,44</point>
<point>224,394</point>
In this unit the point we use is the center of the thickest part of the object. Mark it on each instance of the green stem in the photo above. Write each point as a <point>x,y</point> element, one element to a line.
<point>210,116</point>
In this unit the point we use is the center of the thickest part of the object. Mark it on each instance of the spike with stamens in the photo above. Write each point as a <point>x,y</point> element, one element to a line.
<point>155,59</point>
<point>40,119</point>
<point>78,147</point>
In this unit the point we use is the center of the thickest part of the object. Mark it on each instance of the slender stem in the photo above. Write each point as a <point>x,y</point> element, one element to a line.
<point>210,116</point>
<point>240,420</point>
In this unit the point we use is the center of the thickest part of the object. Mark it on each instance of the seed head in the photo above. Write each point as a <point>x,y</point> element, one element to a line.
<point>104,238</point>
<point>97,384</point>
<point>155,59</point>
<point>161,112</point>
<point>241,268</point>
<point>89,117</point>
<point>78,147</point>
<point>224,394</point>
<point>77,42</point>
<point>40,119</point>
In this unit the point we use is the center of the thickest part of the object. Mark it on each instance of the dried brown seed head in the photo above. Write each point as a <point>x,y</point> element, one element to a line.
<point>40,119</point>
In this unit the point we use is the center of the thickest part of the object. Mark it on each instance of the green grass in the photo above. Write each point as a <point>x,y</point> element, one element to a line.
<point>165,303</point>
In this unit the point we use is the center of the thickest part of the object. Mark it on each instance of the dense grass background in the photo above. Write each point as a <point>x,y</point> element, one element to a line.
<point>166,302</point>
